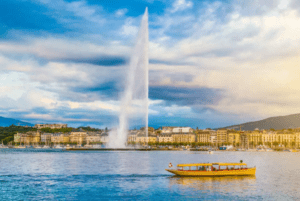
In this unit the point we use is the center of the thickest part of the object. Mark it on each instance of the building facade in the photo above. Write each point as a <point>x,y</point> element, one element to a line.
<point>167,138</point>
<point>222,136</point>
<point>184,138</point>
<point>78,137</point>
<point>203,136</point>
<point>52,126</point>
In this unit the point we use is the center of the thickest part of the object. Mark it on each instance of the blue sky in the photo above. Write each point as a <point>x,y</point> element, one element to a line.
<point>212,63</point>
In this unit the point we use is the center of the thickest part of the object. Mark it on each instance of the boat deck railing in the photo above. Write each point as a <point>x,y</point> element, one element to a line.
<point>215,170</point>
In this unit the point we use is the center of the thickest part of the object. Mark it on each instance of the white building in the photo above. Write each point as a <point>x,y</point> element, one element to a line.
<point>182,130</point>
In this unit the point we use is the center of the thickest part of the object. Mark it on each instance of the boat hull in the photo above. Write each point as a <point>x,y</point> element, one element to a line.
<point>193,173</point>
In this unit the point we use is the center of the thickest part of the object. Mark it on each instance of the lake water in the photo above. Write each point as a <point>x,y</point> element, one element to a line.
<point>93,175</point>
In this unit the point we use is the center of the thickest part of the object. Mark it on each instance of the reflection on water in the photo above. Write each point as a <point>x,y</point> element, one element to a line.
<point>212,183</point>
<point>199,181</point>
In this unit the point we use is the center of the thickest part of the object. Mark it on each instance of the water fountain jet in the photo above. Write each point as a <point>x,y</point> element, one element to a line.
<point>135,95</point>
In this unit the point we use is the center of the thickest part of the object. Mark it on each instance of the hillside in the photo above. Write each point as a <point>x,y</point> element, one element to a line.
<point>4,122</point>
<point>277,123</point>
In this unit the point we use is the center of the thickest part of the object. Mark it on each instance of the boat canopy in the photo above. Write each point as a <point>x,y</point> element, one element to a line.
<point>211,164</point>
<point>194,164</point>
<point>229,164</point>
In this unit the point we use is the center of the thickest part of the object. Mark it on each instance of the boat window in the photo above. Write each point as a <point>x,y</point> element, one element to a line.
<point>216,167</point>
<point>194,168</point>
<point>186,168</point>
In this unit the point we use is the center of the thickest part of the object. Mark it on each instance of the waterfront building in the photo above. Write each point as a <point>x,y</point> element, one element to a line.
<point>233,138</point>
<point>184,138</point>
<point>31,137</point>
<point>222,136</point>
<point>296,140</point>
<point>131,137</point>
<point>24,139</point>
<point>255,138</point>
<point>17,137</point>
<point>182,130</point>
<point>285,139</point>
<point>268,138</point>
<point>132,134</point>
<point>244,140</point>
<point>46,138</point>
<point>78,137</point>
<point>142,139</point>
<point>65,138</point>
<point>36,137</point>
<point>93,138</point>
<point>165,138</point>
<point>213,137</point>
<point>52,126</point>
<point>104,138</point>
<point>57,138</point>
<point>166,130</point>
<point>203,136</point>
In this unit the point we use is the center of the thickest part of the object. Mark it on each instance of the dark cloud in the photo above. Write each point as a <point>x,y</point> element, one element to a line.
<point>156,76</point>
<point>109,90</point>
<point>100,61</point>
<point>201,110</point>
<point>185,96</point>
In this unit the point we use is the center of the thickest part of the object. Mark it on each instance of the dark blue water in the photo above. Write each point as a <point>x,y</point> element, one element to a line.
<point>62,175</point>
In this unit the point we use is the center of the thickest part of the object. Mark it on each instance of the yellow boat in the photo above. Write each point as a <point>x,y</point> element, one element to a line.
<point>213,169</point>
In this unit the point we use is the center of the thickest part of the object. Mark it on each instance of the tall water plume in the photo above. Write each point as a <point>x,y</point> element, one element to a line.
<point>134,100</point>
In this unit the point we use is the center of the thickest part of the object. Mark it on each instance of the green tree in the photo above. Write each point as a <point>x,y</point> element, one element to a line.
<point>60,130</point>
<point>7,133</point>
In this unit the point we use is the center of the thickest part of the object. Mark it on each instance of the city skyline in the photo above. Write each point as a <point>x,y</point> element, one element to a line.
<point>211,63</point>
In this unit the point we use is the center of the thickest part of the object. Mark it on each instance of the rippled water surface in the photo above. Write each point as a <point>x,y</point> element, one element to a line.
<point>95,175</point>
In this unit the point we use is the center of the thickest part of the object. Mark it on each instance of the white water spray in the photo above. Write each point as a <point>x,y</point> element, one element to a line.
<point>134,101</point>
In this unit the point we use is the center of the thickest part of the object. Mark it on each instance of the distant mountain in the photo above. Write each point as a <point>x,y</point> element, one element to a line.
<point>4,122</point>
<point>278,123</point>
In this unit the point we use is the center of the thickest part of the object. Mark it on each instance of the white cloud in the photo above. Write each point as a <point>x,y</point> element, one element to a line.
<point>79,9</point>
<point>180,5</point>
<point>63,48</point>
<point>129,29</point>
<point>121,12</point>
<point>250,52</point>
<point>253,58</point>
